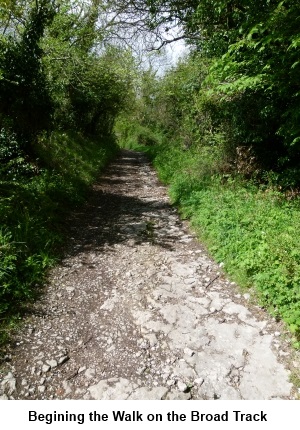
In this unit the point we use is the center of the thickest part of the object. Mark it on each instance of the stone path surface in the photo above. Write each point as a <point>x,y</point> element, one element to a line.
<point>138,310</point>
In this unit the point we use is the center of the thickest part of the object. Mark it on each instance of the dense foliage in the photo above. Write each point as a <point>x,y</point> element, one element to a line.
<point>251,90</point>
<point>223,129</point>
<point>60,92</point>
<point>223,126</point>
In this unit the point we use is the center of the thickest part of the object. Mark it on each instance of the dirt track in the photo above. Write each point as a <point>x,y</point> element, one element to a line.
<point>138,310</point>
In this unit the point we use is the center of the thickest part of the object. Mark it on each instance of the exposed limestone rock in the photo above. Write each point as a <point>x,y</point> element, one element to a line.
<point>137,310</point>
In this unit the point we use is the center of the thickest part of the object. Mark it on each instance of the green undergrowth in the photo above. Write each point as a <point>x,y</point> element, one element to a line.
<point>133,135</point>
<point>33,210</point>
<point>253,230</point>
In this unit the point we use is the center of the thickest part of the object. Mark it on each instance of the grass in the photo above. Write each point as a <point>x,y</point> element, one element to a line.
<point>254,233</point>
<point>32,211</point>
<point>253,230</point>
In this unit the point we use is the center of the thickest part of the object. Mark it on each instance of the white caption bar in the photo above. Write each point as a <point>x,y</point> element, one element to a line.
<point>46,414</point>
